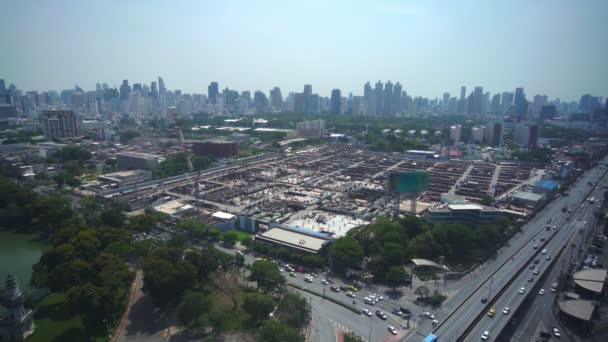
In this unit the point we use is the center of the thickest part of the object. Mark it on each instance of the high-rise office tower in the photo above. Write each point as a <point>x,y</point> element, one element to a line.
<point>125,90</point>
<point>496,104</point>
<point>445,101</point>
<point>260,101</point>
<point>506,102</point>
<point>137,87</point>
<point>388,98</point>
<point>276,99</point>
<point>162,96</point>
<point>336,101</point>
<point>379,94</point>
<point>2,87</point>
<point>367,91</point>
<point>463,92</point>
<point>308,107</point>
<point>397,98</point>
<point>59,124</point>
<point>475,101</point>
<point>521,105</point>
<point>212,91</point>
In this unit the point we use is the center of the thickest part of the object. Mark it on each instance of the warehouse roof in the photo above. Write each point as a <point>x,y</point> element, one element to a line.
<point>547,184</point>
<point>528,196</point>
<point>582,309</point>
<point>293,239</point>
<point>592,280</point>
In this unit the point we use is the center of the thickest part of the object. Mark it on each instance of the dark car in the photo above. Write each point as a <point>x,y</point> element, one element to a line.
<point>330,280</point>
<point>405,310</point>
<point>344,288</point>
<point>381,314</point>
<point>484,300</point>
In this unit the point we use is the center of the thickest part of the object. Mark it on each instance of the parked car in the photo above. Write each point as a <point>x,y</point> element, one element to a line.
<point>392,329</point>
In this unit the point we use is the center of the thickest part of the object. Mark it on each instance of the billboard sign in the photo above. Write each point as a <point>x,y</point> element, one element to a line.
<point>415,181</point>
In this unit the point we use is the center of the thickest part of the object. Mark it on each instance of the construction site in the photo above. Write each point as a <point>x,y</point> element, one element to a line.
<point>328,189</point>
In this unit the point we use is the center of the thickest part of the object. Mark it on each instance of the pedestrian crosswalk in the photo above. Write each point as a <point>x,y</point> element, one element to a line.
<point>540,328</point>
<point>340,326</point>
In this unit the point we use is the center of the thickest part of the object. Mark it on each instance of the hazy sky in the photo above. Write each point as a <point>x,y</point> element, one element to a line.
<point>553,47</point>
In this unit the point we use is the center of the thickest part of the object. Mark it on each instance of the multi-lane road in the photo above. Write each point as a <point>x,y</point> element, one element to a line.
<point>503,272</point>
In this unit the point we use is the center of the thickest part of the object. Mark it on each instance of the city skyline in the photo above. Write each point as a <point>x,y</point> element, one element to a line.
<point>501,47</point>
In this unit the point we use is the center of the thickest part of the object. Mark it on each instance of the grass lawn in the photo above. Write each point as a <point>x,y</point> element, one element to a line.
<point>242,235</point>
<point>55,323</point>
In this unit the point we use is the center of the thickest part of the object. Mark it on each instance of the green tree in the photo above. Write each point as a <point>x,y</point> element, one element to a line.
<point>344,253</point>
<point>258,306</point>
<point>230,237</point>
<point>167,280</point>
<point>293,310</point>
<point>275,331</point>
<point>395,276</point>
<point>267,276</point>
<point>192,308</point>
<point>422,292</point>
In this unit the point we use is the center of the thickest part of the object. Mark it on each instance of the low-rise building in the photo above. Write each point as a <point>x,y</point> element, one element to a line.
<point>216,148</point>
<point>300,240</point>
<point>545,187</point>
<point>470,214</point>
<point>136,161</point>
<point>526,199</point>
<point>126,178</point>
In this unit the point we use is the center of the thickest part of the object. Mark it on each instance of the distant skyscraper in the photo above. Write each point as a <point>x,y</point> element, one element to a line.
<point>336,101</point>
<point>2,87</point>
<point>125,90</point>
<point>445,101</point>
<point>463,92</point>
<point>521,105</point>
<point>308,107</point>
<point>475,101</point>
<point>276,99</point>
<point>299,103</point>
<point>388,98</point>
<point>506,102</point>
<point>379,94</point>
<point>367,91</point>
<point>260,101</point>
<point>397,98</point>
<point>496,104</point>
<point>212,91</point>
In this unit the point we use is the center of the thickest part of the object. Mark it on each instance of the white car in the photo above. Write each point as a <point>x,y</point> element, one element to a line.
<point>485,335</point>
<point>392,329</point>
<point>522,290</point>
<point>541,292</point>
<point>367,312</point>
<point>556,332</point>
<point>428,315</point>
<point>308,279</point>
<point>324,282</point>
<point>506,310</point>
<point>350,294</point>
<point>544,251</point>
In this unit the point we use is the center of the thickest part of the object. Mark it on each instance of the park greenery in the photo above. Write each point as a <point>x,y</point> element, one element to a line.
<point>383,247</point>
<point>540,155</point>
<point>177,164</point>
<point>90,282</point>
